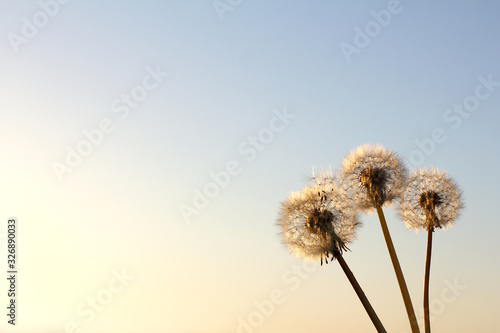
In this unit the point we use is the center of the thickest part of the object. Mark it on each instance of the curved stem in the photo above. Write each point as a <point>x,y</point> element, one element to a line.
<point>427,318</point>
<point>362,297</point>
<point>399,272</point>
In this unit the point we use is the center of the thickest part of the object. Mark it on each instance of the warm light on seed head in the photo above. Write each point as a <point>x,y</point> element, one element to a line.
<point>318,222</point>
<point>374,176</point>
<point>430,200</point>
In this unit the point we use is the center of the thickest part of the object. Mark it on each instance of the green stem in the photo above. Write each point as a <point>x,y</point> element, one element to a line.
<point>362,297</point>
<point>427,318</point>
<point>399,272</point>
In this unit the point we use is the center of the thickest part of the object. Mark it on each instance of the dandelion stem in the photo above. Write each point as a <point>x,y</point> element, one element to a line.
<point>362,297</point>
<point>399,272</point>
<point>427,318</point>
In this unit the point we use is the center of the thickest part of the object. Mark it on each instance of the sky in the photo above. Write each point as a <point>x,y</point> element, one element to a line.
<point>146,147</point>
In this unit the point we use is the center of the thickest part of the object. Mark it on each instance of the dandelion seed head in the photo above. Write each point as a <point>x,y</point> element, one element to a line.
<point>430,200</point>
<point>373,176</point>
<point>324,177</point>
<point>317,222</point>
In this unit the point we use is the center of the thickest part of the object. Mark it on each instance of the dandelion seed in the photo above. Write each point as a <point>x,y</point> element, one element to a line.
<point>430,200</point>
<point>317,222</point>
<point>374,176</point>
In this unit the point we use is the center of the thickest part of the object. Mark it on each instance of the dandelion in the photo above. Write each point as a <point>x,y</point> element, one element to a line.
<point>431,200</point>
<point>317,223</point>
<point>374,177</point>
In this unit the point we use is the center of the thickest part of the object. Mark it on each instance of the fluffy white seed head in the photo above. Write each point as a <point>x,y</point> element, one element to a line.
<point>373,176</point>
<point>430,200</point>
<point>318,221</point>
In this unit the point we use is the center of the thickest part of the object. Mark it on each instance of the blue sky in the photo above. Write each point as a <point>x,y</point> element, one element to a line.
<point>201,91</point>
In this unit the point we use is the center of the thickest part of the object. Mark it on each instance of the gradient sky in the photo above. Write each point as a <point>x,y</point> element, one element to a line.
<point>221,78</point>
